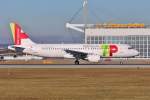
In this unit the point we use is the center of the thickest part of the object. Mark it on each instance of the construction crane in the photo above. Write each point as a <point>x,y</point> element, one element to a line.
<point>80,27</point>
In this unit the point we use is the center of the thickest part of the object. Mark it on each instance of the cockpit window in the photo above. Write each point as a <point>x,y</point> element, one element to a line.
<point>130,48</point>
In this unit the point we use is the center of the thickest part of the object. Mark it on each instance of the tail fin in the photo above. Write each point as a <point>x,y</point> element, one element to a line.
<point>19,37</point>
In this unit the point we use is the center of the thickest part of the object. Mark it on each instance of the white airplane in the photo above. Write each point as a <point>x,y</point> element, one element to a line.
<point>89,52</point>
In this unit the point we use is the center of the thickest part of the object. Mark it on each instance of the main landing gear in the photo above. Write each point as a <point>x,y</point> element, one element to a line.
<point>77,62</point>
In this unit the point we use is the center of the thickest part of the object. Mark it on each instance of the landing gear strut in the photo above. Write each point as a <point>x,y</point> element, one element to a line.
<point>77,62</point>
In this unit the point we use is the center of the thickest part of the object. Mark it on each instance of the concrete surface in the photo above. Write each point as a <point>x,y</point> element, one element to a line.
<point>60,61</point>
<point>74,66</point>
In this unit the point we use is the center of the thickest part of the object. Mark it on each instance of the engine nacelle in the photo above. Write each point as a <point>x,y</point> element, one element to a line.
<point>93,58</point>
<point>69,56</point>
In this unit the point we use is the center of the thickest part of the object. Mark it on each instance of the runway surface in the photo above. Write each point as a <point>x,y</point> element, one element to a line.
<point>74,66</point>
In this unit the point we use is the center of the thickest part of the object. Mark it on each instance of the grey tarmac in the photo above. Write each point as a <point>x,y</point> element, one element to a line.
<point>75,66</point>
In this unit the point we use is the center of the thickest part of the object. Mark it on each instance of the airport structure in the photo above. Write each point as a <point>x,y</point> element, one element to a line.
<point>135,34</point>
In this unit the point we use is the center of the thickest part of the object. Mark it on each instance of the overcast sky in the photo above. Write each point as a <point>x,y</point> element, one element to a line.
<point>44,20</point>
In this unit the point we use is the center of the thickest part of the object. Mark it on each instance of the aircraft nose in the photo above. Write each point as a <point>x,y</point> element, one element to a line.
<point>136,53</point>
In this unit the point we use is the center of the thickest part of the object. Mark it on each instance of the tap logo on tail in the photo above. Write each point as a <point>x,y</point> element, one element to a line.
<point>17,33</point>
<point>109,50</point>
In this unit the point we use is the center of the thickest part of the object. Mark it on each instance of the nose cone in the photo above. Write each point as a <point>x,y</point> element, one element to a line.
<point>135,53</point>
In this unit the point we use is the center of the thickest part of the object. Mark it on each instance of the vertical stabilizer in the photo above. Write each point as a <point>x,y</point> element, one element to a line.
<point>19,37</point>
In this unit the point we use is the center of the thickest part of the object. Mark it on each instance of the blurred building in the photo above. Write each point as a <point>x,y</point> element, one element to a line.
<point>136,35</point>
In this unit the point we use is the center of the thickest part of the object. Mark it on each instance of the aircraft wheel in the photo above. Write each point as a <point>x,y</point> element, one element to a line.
<point>121,63</point>
<point>76,62</point>
<point>2,57</point>
<point>15,56</point>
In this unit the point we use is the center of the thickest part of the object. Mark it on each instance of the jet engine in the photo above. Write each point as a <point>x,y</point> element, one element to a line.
<point>93,58</point>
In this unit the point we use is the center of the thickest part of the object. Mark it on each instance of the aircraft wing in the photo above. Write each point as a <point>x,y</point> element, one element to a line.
<point>77,54</point>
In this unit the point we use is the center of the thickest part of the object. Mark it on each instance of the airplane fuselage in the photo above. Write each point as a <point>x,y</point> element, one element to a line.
<point>103,50</point>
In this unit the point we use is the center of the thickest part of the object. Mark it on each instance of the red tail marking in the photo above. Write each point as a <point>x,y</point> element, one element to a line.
<point>23,36</point>
<point>19,35</point>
